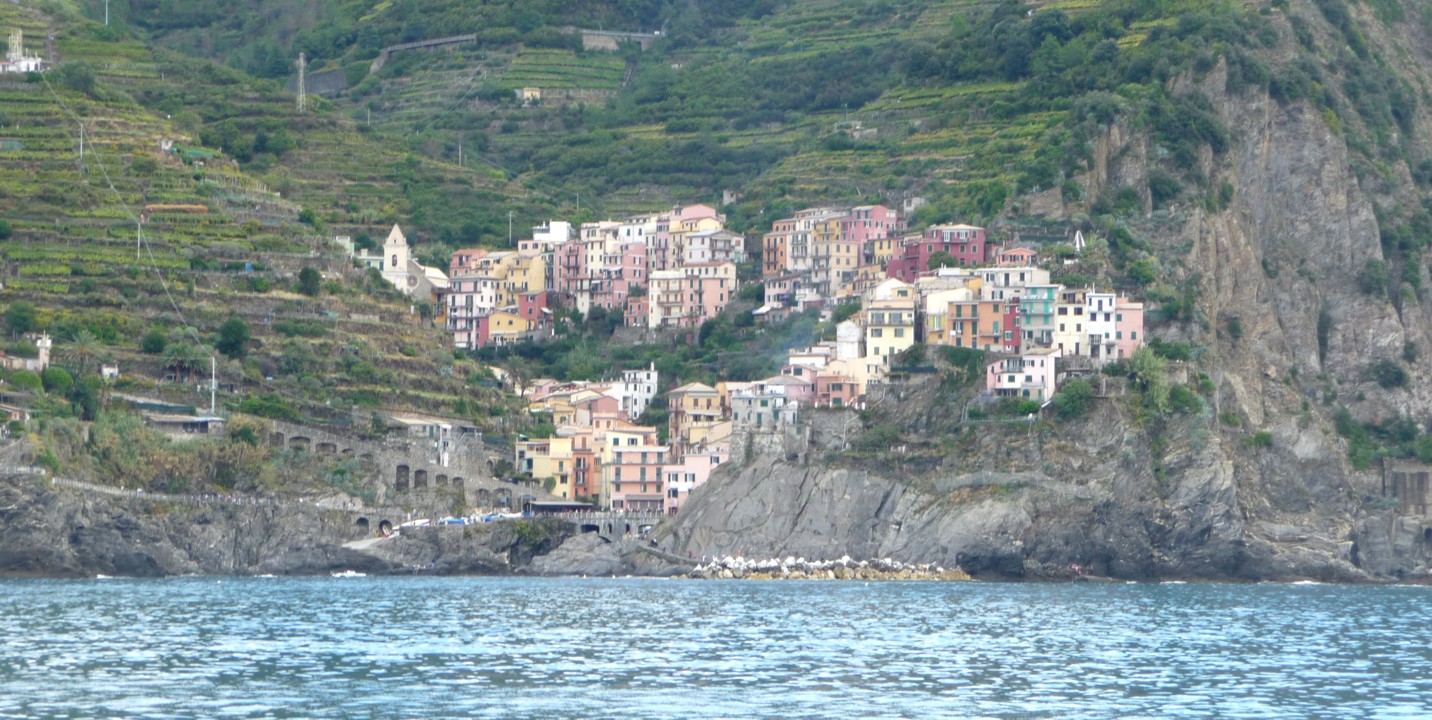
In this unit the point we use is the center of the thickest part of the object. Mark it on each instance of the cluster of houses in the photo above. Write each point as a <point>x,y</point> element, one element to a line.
<point>598,452</point>
<point>670,269</point>
<point>947,285</point>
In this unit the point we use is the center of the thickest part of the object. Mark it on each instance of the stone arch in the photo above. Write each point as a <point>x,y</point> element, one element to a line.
<point>298,442</point>
<point>346,453</point>
<point>276,439</point>
<point>362,525</point>
<point>385,527</point>
<point>589,528</point>
<point>503,496</point>
<point>325,448</point>
<point>484,498</point>
<point>400,481</point>
<point>440,480</point>
<point>609,528</point>
<point>457,482</point>
<point>420,479</point>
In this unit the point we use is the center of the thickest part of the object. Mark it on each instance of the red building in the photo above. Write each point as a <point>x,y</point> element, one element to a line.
<point>965,243</point>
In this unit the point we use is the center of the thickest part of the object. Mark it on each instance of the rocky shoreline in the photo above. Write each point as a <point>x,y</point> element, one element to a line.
<point>792,568</point>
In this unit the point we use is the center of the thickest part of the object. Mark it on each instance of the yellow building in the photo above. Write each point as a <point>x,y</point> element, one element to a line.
<point>889,320</point>
<point>548,458</point>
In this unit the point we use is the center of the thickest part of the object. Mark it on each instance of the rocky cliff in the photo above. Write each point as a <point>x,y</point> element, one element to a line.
<point>1285,327</point>
<point>64,532</point>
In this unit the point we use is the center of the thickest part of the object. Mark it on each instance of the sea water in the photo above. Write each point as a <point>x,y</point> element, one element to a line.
<point>370,647</point>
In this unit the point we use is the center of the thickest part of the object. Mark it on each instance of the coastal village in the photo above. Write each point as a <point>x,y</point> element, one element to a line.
<point>669,272</point>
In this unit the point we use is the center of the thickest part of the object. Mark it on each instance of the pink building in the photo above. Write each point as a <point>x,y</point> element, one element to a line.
<point>1027,376</point>
<point>965,243</point>
<point>636,312</point>
<point>870,222</point>
<point>693,472</point>
<point>569,272</point>
<point>690,295</point>
<point>622,272</point>
<point>832,390</point>
<point>534,307</point>
<point>634,478</point>
<point>1016,257</point>
<point>1128,326</point>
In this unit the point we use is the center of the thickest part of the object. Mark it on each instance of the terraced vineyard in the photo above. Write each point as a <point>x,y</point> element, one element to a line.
<point>219,242</point>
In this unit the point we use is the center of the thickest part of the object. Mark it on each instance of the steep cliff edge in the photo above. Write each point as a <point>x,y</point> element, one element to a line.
<point>1056,501</point>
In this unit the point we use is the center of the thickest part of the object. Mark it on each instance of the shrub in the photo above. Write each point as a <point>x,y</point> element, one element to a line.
<point>1183,400</point>
<point>1373,278</point>
<point>1388,373</point>
<point>153,342</point>
<point>233,339</point>
<point>309,282</point>
<point>26,380</point>
<point>1026,407</point>
<point>1261,439</point>
<point>269,406</point>
<point>57,381</point>
<point>1074,398</point>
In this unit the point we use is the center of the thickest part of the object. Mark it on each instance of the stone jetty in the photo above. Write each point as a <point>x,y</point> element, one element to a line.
<point>792,568</point>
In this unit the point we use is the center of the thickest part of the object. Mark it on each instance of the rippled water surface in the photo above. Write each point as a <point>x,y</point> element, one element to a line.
<point>577,648</point>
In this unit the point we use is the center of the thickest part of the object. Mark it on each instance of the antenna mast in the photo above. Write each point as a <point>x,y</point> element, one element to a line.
<point>302,84</point>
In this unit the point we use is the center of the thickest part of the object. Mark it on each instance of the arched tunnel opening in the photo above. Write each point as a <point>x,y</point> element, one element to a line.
<point>385,527</point>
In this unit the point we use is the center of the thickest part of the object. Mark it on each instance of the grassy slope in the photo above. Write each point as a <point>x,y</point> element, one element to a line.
<point>72,252</point>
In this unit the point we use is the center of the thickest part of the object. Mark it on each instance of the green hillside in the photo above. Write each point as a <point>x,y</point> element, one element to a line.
<point>969,103</point>
<point>248,197</point>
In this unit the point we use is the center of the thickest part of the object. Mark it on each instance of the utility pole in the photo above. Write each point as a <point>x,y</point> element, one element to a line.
<point>82,143</point>
<point>459,150</point>
<point>106,13</point>
<point>302,84</point>
<point>213,386</point>
<point>138,236</point>
<point>509,227</point>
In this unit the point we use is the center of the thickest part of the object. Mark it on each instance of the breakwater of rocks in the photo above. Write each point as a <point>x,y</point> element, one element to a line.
<point>792,568</point>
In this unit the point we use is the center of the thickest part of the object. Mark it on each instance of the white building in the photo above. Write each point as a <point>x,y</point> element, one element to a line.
<point>635,390</point>
<point>408,275</point>
<point>16,61</point>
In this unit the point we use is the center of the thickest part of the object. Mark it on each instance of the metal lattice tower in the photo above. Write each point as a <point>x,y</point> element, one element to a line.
<point>302,84</point>
<point>17,46</point>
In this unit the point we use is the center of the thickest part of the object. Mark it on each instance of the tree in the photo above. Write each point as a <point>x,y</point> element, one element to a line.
<point>20,318</point>
<point>233,338</point>
<point>309,282</point>
<point>25,380</point>
<point>1150,374</point>
<point>57,381</point>
<point>84,349</point>
<point>5,230</point>
<point>184,358</point>
<point>1074,398</point>
<point>941,259</point>
<point>87,397</point>
<point>153,342</point>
